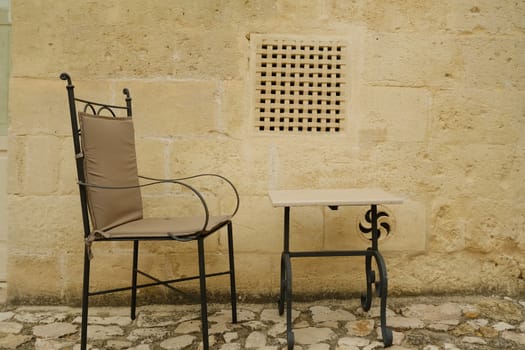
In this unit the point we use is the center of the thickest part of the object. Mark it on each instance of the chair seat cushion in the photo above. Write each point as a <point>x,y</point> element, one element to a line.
<point>165,227</point>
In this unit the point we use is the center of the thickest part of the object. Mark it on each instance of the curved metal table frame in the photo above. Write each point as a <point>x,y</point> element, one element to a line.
<point>334,198</point>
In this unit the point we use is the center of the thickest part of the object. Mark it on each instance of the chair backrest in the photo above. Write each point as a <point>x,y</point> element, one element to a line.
<point>104,143</point>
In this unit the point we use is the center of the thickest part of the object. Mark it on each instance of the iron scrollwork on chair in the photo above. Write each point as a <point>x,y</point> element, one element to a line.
<point>111,202</point>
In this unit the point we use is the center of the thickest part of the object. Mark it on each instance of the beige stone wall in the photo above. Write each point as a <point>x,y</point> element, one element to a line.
<point>436,112</point>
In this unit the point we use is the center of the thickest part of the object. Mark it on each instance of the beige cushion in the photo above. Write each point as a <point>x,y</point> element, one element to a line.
<point>109,160</point>
<point>159,227</point>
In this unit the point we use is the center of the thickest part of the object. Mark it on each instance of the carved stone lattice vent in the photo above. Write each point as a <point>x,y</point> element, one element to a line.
<point>299,85</point>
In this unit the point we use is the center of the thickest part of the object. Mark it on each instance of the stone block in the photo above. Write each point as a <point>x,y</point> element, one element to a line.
<point>151,156</point>
<point>177,49</point>
<point>47,224</point>
<point>402,114</point>
<point>41,282</point>
<point>152,162</point>
<point>293,11</point>
<point>256,159</point>
<point>493,62</point>
<point>447,273</point>
<point>435,113</point>
<point>320,162</point>
<point>214,155</point>
<point>406,16</point>
<point>174,109</point>
<point>408,232</point>
<point>40,106</point>
<point>328,276</point>
<point>216,56</point>
<point>3,196</point>
<point>257,274</point>
<point>466,116</point>
<point>258,227</point>
<point>234,120</point>
<point>3,260</point>
<point>14,163</point>
<point>306,228</point>
<point>448,232</point>
<point>67,172</point>
<point>45,41</point>
<point>403,60</point>
<point>471,173</point>
<point>40,164</point>
<point>484,17</point>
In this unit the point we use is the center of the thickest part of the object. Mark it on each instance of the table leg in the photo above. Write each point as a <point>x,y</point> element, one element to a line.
<point>286,251</point>
<point>283,289</point>
<point>366,299</point>
<point>381,285</point>
<point>288,272</point>
<point>382,290</point>
<point>286,281</point>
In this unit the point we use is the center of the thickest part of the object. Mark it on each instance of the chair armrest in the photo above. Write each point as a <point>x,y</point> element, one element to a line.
<point>180,180</point>
<point>156,182</point>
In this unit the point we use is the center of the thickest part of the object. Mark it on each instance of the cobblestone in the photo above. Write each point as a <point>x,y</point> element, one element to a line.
<point>422,323</point>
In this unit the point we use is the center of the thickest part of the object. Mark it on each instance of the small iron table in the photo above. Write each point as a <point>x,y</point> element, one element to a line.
<point>333,198</point>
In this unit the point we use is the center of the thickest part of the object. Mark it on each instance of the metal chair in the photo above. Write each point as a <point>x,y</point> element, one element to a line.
<point>111,201</point>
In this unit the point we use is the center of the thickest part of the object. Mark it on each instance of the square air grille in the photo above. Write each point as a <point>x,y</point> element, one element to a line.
<point>299,85</point>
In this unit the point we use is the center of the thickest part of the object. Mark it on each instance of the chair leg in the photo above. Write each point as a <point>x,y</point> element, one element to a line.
<point>233,290</point>
<point>204,306</point>
<point>85,301</point>
<point>134,279</point>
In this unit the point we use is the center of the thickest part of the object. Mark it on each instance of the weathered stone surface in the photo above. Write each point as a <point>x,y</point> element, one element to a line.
<point>260,331</point>
<point>230,336</point>
<point>503,326</point>
<point>313,335</point>
<point>473,340</point>
<point>10,327</point>
<point>405,322</point>
<point>12,341</point>
<point>515,337</point>
<point>501,310</point>
<point>322,314</point>
<point>231,346</point>
<point>277,329</point>
<point>360,328</point>
<point>147,333</point>
<point>117,320</point>
<point>97,332</point>
<point>50,344</point>
<point>43,314</point>
<point>177,343</point>
<point>140,347</point>
<point>488,332</point>
<point>425,312</point>
<point>255,340</point>
<point>272,315</point>
<point>452,69</point>
<point>5,316</point>
<point>119,344</point>
<point>188,327</point>
<point>353,341</point>
<point>54,330</point>
<point>160,319</point>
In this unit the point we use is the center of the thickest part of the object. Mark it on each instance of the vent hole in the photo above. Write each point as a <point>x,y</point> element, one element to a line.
<point>298,73</point>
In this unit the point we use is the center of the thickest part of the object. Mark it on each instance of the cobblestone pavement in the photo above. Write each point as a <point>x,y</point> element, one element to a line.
<point>427,323</point>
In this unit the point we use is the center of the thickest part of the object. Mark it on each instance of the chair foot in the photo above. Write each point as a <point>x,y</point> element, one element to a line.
<point>290,339</point>
<point>388,336</point>
<point>283,288</point>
